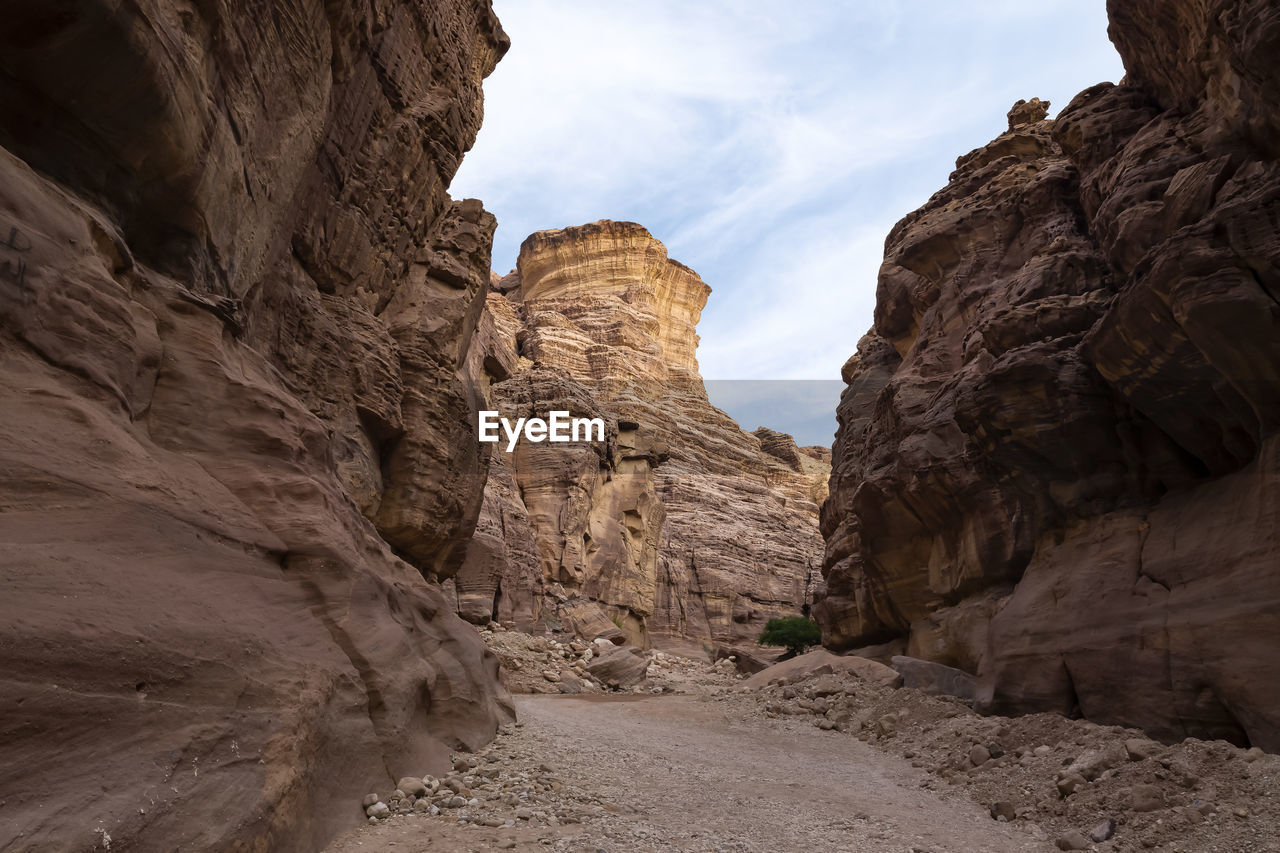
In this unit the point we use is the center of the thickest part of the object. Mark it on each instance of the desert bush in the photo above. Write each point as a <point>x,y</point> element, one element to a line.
<point>796,633</point>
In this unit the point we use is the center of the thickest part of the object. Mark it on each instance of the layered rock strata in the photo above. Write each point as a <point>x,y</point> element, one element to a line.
<point>238,317</point>
<point>1058,464</point>
<point>680,530</point>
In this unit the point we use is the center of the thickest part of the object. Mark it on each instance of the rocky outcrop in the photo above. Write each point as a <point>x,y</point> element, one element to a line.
<point>624,666</point>
<point>679,529</point>
<point>1058,463</point>
<point>822,662</point>
<point>238,325</point>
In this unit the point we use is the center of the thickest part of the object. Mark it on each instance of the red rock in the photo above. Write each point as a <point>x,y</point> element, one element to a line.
<point>934,678</point>
<point>225,466</point>
<point>681,530</point>
<point>625,666</point>
<point>1058,461</point>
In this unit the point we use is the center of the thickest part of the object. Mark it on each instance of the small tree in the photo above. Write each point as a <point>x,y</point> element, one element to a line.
<point>796,633</point>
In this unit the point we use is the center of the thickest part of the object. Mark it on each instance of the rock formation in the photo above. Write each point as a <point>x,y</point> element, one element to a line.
<point>680,530</point>
<point>1058,464</point>
<point>238,324</point>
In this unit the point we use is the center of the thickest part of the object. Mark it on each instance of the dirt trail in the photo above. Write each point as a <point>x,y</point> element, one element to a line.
<point>693,773</point>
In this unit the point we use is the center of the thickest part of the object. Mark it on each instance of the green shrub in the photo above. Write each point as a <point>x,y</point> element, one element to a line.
<point>796,633</point>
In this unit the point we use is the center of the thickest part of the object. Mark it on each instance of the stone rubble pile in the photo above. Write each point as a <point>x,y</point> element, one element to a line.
<point>544,664</point>
<point>483,789</point>
<point>1066,782</point>
<point>509,785</point>
<point>1080,785</point>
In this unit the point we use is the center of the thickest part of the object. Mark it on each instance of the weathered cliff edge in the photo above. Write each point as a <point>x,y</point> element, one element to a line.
<point>681,530</point>
<point>236,415</point>
<point>1058,462</point>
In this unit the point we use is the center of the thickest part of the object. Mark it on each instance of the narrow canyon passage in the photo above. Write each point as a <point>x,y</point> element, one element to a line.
<point>1009,468</point>
<point>685,773</point>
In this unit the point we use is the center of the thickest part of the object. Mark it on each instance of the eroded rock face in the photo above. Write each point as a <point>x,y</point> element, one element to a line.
<point>239,317</point>
<point>1057,464</point>
<point>680,529</point>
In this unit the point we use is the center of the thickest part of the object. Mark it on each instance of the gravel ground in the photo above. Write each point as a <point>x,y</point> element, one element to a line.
<point>693,759</point>
<point>690,772</point>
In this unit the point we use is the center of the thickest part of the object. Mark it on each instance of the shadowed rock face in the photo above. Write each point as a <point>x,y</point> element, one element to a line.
<point>1057,463</point>
<point>238,317</point>
<point>680,529</point>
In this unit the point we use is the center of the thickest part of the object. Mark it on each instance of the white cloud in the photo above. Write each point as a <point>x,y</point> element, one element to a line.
<point>771,148</point>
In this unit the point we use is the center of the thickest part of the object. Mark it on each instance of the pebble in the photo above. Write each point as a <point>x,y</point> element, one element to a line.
<point>1072,841</point>
<point>1003,810</point>
<point>825,685</point>
<point>1103,831</point>
<point>413,785</point>
<point>1145,798</point>
<point>1069,783</point>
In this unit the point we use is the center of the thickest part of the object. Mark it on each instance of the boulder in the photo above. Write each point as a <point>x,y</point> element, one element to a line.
<point>823,662</point>
<point>1003,810</point>
<point>1069,783</point>
<point>1103,831</point>
<point>624,666</point>
<point>825,685</point>
<point>934,678</point>
<point>1146,798</point>
<point>1073,840</point>
<point>413,786</point>
<point>748,660</point>
<point>1140,748</point>
<point>1092,763</point>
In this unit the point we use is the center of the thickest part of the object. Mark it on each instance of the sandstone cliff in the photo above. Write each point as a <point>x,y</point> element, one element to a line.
<point>1058,463</point>
<point>238,319</point>
<point>680,530</point>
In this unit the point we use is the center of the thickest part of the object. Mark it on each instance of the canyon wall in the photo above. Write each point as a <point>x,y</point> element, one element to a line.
<point>1058,463</point>
<point>238,326</point>
<point>679,530</point>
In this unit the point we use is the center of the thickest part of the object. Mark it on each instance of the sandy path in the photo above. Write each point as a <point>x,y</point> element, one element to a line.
<point>680,773</point>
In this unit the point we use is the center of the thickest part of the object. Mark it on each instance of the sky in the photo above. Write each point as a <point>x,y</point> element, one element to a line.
<point>770,146</point>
